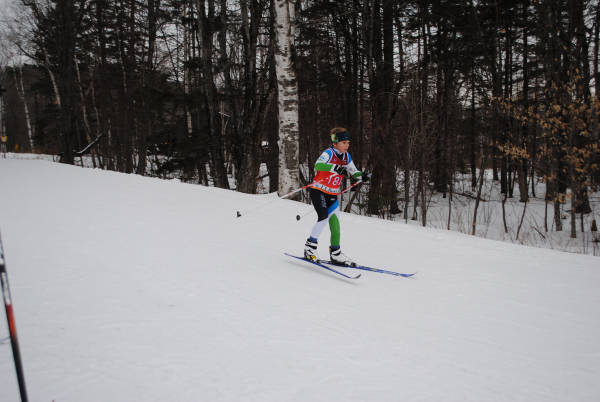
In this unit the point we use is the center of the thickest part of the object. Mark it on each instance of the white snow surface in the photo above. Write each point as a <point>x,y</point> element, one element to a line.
<point>127,288</point>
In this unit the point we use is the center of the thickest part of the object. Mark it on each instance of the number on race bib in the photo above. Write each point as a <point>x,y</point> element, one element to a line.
<point>336,180</point>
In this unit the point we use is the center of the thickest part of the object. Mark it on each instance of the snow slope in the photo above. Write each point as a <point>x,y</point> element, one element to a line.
<point>127,288</point>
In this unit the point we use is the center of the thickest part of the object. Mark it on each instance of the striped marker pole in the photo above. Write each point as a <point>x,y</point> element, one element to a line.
<point>10,317</point>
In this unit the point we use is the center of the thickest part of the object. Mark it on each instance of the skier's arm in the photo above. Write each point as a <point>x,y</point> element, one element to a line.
<point>356,174</point>
<point>353,172</point>
<point>323,165</point>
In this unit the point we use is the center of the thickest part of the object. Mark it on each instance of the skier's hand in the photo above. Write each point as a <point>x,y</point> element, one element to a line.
<point>365,177</point>
<point>356,182</point>
<point>340,169</point>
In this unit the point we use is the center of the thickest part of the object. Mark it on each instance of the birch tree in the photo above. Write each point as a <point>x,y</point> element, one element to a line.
<point>287,88</point>
<point>18,77</point>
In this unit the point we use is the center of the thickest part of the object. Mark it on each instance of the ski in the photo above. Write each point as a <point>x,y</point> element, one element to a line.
<point>365,268</point>
<point>319,264</point>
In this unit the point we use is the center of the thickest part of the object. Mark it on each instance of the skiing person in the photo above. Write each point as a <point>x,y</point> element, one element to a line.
<point>331,167</point>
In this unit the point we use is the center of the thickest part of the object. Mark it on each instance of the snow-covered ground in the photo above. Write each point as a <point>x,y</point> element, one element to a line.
<point>537,227</point>
<point>128,288</point>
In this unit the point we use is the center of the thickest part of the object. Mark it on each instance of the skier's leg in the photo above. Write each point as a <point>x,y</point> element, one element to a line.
<point>320,204</point>
<point>334,226</point>
<point>335,252</point>
<point>317,229</point>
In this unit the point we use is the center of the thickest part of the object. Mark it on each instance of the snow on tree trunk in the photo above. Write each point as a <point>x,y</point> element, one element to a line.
<point>287,96</point>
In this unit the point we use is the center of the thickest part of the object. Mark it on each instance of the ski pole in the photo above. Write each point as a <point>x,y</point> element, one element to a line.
<point>238,214</point>
<point>352,186</point>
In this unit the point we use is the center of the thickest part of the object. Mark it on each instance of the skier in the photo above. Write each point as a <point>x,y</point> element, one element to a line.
<point>331,168</point>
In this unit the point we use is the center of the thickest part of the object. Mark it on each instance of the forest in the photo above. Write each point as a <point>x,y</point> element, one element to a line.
<point>431,91</point>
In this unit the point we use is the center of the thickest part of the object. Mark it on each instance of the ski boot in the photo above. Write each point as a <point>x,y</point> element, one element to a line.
<point>339,258</point>
<point>310,250</point>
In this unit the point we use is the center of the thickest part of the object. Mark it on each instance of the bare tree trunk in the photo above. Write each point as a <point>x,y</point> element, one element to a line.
<point>287,86</point>
<point>98,122</point>
<point>187,76</point>
<point>522,167</point>
<point>122,129</point>
<point>504,213</point>
<point>246,145</point>
<point>478,199</point>
<point>546,215</point>
<point>209,92</point>
<point>521,221</point>
<point>416,196</point>
<point>473,137</point>
<point>18,76</point>
<point>406,191</point>
<point>423,191</point>
<point>557,217</point>
<point>57,100</point>
<point>148,82</point>
<point>573,216</point>
<point>84,115</point>
<point>450,196</point>
<point>596,49</point>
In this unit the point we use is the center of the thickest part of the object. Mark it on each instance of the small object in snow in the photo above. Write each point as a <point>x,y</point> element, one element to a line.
<point>238,214</point>
<point>297,217</point>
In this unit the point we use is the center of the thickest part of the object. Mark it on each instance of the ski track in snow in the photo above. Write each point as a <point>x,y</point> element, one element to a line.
<point>127,288</point>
